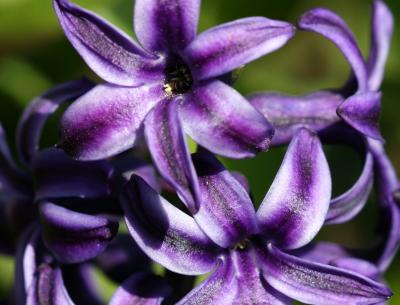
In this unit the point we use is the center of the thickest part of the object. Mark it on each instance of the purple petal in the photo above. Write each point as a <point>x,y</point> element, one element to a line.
<point>319,284</point>
<point>35,115</point>
<point>110,53</point>
<point>38,280</point>
<point>294,209</point>
<point>387,183</point>
<point>166,234</point>
<point>334,28</point>
<point>59,176</point>
<point>105,121</point>
<point>359,266</point>
<point>287,114</point>
<point>218,289</point>
<point>253,289</point>
<point>242,180</point>
<point>141,288</point>
<point>231,45</point>
<point>169,150</point>
<point>350,203</point>
<point>382,31</point>
<point>361,111</point>
<point>321,252</point>
<point>226,213</point>
<point>166,25</point>
<point>220,119</point>
<point>122,258</point>
<point>75,237</point>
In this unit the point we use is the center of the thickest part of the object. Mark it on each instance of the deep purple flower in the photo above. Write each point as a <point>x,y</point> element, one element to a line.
<point>171,84</point>
<point>359,107</point>
<point>249,251</point>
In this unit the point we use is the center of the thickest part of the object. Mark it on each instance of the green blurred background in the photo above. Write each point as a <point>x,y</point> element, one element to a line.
<point>34,55</point>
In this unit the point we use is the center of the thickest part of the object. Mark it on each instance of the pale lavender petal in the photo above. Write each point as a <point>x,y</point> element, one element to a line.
<point>362,111</point>
<point>231,45</point>
<point>105,121</point>
<point>166,234</point>
<point>35,115</point>
<point>217,117</point>
<point>287,114</point>
<point>220,288</point>
<point>59,176</point>
<point>170,152</point>
<point>350,203</point>
<point>242,180</point>
<point>166,25</point>
<point>381,36</point>
<point>110,53</point>
<point>253,289</point>
<point>334,28</point>
<point>75,237</point>
<point>295,207</point>
<point>321,252</point>
<point>319,284</point>
<point>359,266</point>
<point>141,288</point>
<point>226,213</point>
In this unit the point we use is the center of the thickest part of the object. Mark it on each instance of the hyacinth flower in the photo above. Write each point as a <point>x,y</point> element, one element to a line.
<point>170,85</point>
<point>325,110</point>
<point>247,250</point>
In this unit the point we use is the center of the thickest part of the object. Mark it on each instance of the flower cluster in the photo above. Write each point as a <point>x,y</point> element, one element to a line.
<point>63,209</point>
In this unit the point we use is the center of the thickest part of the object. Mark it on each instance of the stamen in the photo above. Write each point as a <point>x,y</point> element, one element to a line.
<point>241,245</point>
<point>178,80</point>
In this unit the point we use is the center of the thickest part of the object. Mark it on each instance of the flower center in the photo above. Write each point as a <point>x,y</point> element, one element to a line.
<point>241,245</point>
<point>178,79</point>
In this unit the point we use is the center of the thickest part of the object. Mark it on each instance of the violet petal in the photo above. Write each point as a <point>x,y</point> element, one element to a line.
<point>105,121</point>
<point>334,28</point>
<point>287,114</point>
<point>226,213</point>
<point>381,36</point>
<point>162,25</point>
<point>362,111</point>
<point>141,288</point>
<point>295,207</point>
<point>170,152</point>
<point>231,45</point>
<point>110,53</point>
<point>35,115</point>
<point>75,237</point>
<point>314,283</point>
<point>165,233</point>
<point>220,288</point>
<point>217,117</point>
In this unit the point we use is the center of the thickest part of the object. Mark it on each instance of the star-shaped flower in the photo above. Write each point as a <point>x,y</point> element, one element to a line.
<point>171,84</point>
<point>249,250</point>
